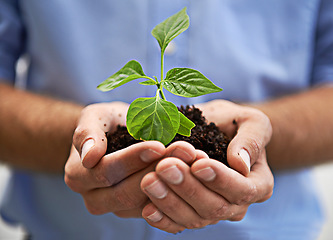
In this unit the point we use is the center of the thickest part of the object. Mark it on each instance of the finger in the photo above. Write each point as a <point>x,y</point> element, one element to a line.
<point>207,203</point>
<point>124,198</point>
<point>250,129</point>
<point>91,144</point>
<point>182,150</point>
<point>159,220</point>
<point>113,167</point>
<point>201,154</point>
<point>234,187</point>
<point>127,161</point>
<point>73,172</point>
<point>89,136</point>
<point>170,203</point>
<point>253,134</point>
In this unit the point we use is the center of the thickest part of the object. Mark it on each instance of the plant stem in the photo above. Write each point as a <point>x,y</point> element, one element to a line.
<point>162,75</point>
<point>161,93</point>
<point>162,65</point>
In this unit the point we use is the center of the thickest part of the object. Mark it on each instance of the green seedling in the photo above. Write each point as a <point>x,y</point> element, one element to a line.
<point>155,118</point>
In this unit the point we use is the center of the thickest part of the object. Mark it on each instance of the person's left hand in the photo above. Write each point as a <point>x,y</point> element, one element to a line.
<point>193,196</point>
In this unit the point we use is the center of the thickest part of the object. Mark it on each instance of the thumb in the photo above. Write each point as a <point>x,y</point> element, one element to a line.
<point>254,131</point>
<point>89,137</point>
<point>91,145</point>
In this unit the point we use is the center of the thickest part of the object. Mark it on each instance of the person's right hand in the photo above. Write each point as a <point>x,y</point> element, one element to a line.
<point>109,183</point>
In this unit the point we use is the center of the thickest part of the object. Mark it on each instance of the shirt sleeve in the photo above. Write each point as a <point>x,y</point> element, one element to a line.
<point>11,39</point>
<point>323,55</point>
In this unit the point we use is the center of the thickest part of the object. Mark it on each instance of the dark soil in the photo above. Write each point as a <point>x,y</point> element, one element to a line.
<point>204,136</point>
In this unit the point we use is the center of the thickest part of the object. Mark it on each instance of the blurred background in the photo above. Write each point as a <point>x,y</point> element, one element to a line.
<point>324,177</point>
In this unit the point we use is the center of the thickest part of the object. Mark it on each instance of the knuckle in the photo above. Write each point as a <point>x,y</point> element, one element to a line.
<point>224,185</point>
<point>238,217</point>
<point>103,180</point>
<point>191,193</point>
<point>100,176</point>
<point>222,211</point>
<point>197,224</point>
<point>71,182</point>
<point>172,207</point>
<point>266,196</point>
<point>80,133</point>
<point>170,228</point>
<point>218,212</point>
<point>95,209</point>
<point>248,196</point>
<point>68,182</point>
<point>254,146</point>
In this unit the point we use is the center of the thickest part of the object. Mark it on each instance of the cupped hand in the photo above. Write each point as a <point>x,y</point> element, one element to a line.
<point>95,121</point>
<point>113,185</point>
<point>249,128</point>
<point>109,183</point>
<point>205,192</point>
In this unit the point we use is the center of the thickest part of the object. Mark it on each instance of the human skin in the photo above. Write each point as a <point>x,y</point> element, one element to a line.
<point>206,191</point>
<point>305,120</point>
<point>28,122</point>
<point>299,118</point>
<point>112,184</point>
<point>35,131</point>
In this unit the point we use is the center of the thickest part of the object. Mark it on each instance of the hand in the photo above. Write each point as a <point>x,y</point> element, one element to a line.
<point>194,196</point>
<point>249,128</point>
<point>89,137</point>
<point>109,183</point>
<point>113,184</point>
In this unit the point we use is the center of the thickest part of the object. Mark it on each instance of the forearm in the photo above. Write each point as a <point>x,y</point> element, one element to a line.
<point>302,129</point>
<point>35,131</point>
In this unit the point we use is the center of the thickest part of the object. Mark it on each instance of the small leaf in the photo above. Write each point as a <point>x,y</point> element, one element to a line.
<point>148,82</point>
<point>171,28</point>
<point>188,82</point>
<point>153,119</point>
<point>131,71</point>
<point>185,125</point>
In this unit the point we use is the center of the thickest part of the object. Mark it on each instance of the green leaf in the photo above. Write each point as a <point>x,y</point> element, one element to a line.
<point>188,82</point>
<point>153,119</point>
<point>131,71</point>
<point>171,28</point>
<point>185,125</point>
<point>148,82</point>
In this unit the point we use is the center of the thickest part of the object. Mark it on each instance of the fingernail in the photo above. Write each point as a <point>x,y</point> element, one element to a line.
<point>86,147</point>
<point>150,155</point>
<point>207,174</point>
<point>182,154</point>
<point>157,189</point>
<point>173,175</point>
<point>245,157</point>
<point>155,217</point>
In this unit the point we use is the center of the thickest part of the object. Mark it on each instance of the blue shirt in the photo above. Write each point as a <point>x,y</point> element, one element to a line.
<point>255,50</point>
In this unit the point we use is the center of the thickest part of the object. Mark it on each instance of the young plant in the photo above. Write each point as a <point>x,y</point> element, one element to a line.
<point>155,118</point>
